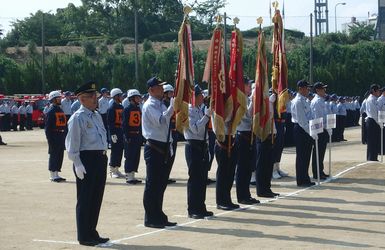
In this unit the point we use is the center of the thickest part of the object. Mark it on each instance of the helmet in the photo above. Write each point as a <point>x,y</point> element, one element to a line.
<point>104,90</point>
<point>116,91</point>
<point>168,87</point>
<point>53,95</point>
<point>133,92</point>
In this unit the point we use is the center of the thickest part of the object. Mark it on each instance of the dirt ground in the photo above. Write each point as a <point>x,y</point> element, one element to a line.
<point>347,211</point>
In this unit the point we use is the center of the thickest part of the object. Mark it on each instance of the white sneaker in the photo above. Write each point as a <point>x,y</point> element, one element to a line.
<point>114,172</point>
<point>276,175</point>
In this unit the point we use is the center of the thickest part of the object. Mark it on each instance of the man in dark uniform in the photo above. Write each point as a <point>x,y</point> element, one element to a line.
<point>246,157</point>
<point>264,168</point>
<point>155,128</point>
<point>197,157</point>
<point>22,116</point>
<point>55,131</point>
<point>15,114</point>
<point>114,119</point>
<point>373,130</point>
<point>132,131</point>
<point>86,145</point>
<point>301,115</point>
<point>319,110</point>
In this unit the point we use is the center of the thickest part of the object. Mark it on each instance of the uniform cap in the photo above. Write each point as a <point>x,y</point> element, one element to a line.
<point>153,81</point>
<point>303,83</point>
<point>374,87</point>
<point>104,90</point>
<point>319,85</point>
<point>67,93</point>
<point>88,87</point>
<point>116,91</point>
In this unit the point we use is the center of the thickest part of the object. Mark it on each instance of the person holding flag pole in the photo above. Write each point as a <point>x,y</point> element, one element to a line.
<point>228,104</point>
<point>262,125</point>
<point>279,87</point>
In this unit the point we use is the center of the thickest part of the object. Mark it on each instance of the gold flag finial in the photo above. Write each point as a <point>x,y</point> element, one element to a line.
<point>218,19</point>
<point>275,5</point>
<point>236,21</point>
<point>259,20</point>
<point>187,10</point>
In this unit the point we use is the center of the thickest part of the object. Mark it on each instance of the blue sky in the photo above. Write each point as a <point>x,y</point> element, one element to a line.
<point>296,11</point>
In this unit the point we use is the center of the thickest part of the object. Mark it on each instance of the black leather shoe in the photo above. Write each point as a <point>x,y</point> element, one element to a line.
<point>134,182</point>
<point>210,181</point>
<point>306,184</point>
<point>233,206</point>
<point>224,207</point>
<point>321,178</point>
<point>275,194</point>
<point>154,225</point>
<point>267,195</point>
<point>61,179</point>
<point>89,243</point>
<point>249,201</point>
<point>103,240</point>
<point>2,143</point>
<point>208,213</point>
<point>171,181</point>
<point>170,224</point>
<point>196,216</point>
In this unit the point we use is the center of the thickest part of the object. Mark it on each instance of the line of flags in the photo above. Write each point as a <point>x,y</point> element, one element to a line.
<point>226,86</point>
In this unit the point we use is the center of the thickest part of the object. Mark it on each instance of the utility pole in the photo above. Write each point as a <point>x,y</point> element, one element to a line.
<point>42,54</point>
<point>311,50</point>
<point>136,48</point>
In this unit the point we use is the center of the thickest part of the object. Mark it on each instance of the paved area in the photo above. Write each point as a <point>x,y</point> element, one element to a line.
<point>347,211</point>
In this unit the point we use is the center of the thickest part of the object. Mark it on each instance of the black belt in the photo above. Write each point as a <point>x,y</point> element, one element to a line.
<point>160,147</point>
<point>96,152</point>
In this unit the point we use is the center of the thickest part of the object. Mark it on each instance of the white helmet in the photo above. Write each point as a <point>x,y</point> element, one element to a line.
<point>133,92</point>
<point>167,87</point>
<point>53,94</point>
<point>115,91</point>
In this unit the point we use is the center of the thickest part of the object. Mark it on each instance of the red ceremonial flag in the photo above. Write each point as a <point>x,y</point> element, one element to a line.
<point>237,86</point>
<point>261,122</point>
<point>279,73</point>
<point>215,75</point>
<point>184,86</point>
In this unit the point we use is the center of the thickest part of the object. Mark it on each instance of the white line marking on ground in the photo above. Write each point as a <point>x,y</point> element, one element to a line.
<point>216,215</point>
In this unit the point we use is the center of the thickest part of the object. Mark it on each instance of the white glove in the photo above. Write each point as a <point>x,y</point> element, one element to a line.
<point>208,111</point>
<point>330,132</point>
<point>114,138</point>
<point>272,98</point>
<point>172,102</point>
<point>80,171</point>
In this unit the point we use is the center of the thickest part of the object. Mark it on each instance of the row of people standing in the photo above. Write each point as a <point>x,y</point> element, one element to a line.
<point>16,116</point>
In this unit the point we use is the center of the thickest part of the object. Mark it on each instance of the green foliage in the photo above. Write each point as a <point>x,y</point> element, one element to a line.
<point>147,45</point>
<point>89,48</point>
<point>119,48</point>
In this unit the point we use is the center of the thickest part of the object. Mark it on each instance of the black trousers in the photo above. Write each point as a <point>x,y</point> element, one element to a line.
<point>117,151</point>
<point>56,154</point>
<point>246,164</point>
<point>22,122</point>
<point>90,192</point>
<point>279,142</point>
<point>363,129</point>
<point>14,122</point>
<point>29,121</point>
<point>303,148</point>
<point>373,139</point>
<point>132,153</point>
<point>158,172</point>
<point>225,171</point>
<point>264,168</point>
<point>212,139</point>
<point>340,128</point>
<point>323,139</point>
<point>196,158</point>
